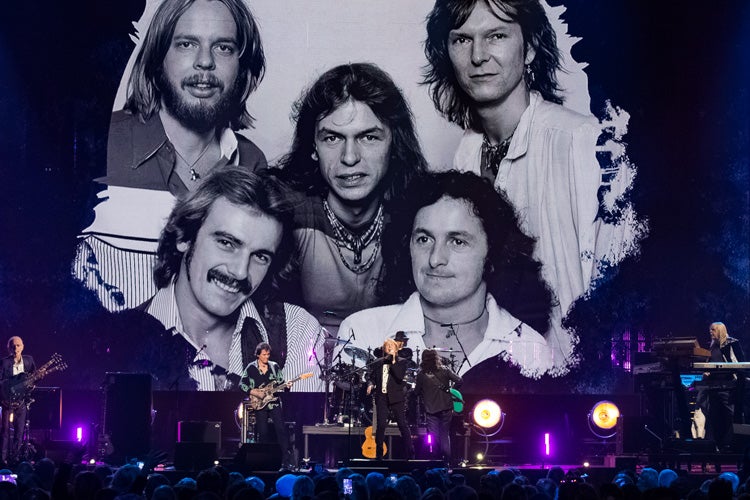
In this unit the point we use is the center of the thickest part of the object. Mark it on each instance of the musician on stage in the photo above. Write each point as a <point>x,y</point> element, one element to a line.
<point>261,372</point>
<point>718,404</point>
<point>14,412</point>
<point>386,383</point>
<point>433,384</point>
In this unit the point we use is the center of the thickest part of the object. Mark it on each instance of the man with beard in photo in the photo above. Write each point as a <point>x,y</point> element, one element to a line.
<point>199,62</point>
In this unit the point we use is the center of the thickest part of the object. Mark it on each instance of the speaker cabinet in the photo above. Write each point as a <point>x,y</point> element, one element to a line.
<point>259,456</point>
<point>193,456</point>
<point>127,416</point>
<point>46,412</point>
<point>199,432</point>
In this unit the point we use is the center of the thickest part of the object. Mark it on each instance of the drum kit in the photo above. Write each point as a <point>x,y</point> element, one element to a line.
<point>348,399</point>
<point>348,402</point>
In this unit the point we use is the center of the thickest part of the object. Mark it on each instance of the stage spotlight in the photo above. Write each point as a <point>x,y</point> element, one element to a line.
<point>603,418</point>
<point>488,419</point>
<point>487,413</point>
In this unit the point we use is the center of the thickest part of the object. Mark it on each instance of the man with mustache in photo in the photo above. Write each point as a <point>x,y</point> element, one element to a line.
<point>220,255</point>
<point>199,62</point>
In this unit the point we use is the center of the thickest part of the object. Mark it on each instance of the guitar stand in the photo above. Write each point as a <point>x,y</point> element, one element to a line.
<point>26,451</point>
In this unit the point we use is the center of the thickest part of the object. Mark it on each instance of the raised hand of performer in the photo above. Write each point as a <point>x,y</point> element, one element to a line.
<point>390,348</point>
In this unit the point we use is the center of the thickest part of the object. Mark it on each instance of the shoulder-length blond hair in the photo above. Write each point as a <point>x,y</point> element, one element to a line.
<point>723,335</point>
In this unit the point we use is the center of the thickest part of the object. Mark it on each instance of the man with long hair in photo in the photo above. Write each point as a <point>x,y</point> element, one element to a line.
<point>186,96</point>
<point>492,70</point>
<point>354,151</point>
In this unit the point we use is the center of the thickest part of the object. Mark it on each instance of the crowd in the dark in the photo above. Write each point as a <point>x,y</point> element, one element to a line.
<point>44,480</point>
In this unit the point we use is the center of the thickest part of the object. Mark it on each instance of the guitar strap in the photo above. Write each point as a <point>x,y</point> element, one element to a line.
<point>443,386</point>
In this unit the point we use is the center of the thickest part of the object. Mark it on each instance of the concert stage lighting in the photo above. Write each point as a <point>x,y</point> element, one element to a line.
<point>488,419</point>
<point>487,414</point>
<point>603,418</point>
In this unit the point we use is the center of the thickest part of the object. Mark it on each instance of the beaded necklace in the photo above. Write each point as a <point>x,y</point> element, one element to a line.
<point>344,238</point>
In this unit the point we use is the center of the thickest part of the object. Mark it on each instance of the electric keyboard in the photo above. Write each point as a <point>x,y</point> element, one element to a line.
<point>720,365</point>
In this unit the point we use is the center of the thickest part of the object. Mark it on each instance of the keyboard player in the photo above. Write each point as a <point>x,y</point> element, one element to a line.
<point>715,399</point>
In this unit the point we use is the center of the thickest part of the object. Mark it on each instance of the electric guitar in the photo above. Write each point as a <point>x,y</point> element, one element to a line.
<point>104,447</point>
<point>14,389</point>
<point>269,392</point>
<point>458,400</point>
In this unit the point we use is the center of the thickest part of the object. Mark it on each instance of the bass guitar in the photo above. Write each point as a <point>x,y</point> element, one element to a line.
<point>14,389</point>
<point>269,392</point>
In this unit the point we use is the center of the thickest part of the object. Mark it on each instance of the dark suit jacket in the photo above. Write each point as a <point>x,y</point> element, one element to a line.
<point>396,373</point>
<point>6,366</point>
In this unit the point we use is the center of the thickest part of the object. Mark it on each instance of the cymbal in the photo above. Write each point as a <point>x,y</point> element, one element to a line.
<point>357,353</point>
<point>443,349</point>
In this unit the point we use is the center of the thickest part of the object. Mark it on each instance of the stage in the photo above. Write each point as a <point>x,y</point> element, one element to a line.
<point>190,430</point>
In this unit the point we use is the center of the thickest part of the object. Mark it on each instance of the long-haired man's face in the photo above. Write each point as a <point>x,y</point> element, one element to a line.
<point>489,55</point>
<point>199,80</point>
<point>714,332</point>
<point>353,148</point>
<point>230,257</point>
<point>448,252</point>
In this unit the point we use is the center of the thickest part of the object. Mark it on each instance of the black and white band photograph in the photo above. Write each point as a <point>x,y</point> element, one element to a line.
<point>400,249</point>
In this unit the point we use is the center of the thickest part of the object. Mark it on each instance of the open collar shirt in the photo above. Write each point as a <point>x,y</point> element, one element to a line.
<point>506,336</point>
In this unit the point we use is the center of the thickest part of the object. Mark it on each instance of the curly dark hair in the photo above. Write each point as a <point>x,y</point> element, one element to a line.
<point>144,95</point>
<point>258,191</point>
<point>368,84</point>
<point>446,92</point>
<point>512,275</point>
<point>430,361</point>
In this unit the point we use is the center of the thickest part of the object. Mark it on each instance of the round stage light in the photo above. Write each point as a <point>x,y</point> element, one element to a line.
<point>487,413</point>
<point>604,415</point>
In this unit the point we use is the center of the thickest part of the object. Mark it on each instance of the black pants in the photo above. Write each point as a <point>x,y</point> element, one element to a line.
<point>398,412</point>
<point>263,430</point>
<point>439,426</point>
<point>12,441</point>
<point>718,407</point>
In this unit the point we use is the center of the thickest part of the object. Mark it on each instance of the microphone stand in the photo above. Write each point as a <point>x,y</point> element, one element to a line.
<point>452,331</point>
<point>327,377</point>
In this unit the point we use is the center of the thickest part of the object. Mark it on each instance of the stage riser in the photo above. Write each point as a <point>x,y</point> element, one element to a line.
<point>528,418</point>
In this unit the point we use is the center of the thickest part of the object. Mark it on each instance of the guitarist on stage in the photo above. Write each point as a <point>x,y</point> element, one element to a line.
<point>14,368</point>
<point>262,372</point>
<point>433,384</point>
